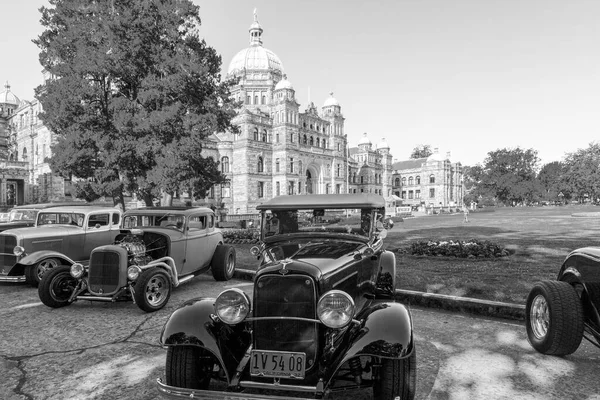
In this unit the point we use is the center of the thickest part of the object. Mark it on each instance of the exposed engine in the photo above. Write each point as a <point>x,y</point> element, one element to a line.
<point>136,248</point>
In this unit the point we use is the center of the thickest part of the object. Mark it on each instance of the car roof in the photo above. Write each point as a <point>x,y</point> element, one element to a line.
<point>168,210</point>
<point>81,209</point>
<point>40,206</point>
<point>310,201</point>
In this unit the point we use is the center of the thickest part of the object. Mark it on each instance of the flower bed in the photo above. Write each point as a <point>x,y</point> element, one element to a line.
<point>458,248</point>
<point>236,236</point>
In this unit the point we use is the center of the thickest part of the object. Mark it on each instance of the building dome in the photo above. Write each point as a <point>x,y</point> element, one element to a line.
<point>383,144</point>
<point>255,57</point>
<point>331,101</point>
<point>7,97</point>
<point>284,84</point>
<point>364,140</point>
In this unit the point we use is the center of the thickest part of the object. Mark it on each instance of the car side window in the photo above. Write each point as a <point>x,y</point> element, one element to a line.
<point>197,223</point>
<point>211,221</point>
<point>115,219</point>
<point>98,220</point>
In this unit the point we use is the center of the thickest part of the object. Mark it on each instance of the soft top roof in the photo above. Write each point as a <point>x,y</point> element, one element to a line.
<point>40,206</point>
<point>311,201</point>
<point>78,209</point>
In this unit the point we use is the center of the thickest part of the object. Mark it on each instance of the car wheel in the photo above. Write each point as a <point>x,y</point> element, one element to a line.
<point>223,263</point>
<point>57,286</point>
<point>189,367</point>
<point>397,379</point>
<point>554,318</point>
<point>34,273</point>
<point>152,289</point>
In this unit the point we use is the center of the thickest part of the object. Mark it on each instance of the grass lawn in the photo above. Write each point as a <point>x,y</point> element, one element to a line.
<point>539,238</point>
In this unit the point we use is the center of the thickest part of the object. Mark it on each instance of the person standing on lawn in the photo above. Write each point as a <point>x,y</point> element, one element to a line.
<point>465,211</point>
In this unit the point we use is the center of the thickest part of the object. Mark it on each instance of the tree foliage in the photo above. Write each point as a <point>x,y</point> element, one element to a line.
<point>510,174</point>
<point>580,176</point>
<point>549,178</point>
<point>421,151</point>
<point>135,94</point>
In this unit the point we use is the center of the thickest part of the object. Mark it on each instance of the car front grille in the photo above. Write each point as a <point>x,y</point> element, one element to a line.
<point>104,272</point>
<point>286,296</point>
<point>7,245</point>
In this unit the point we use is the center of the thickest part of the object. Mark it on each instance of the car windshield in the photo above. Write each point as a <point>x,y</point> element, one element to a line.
<point>172,221</point>
<point>60,218</point>
<point>349,221</point>
<point>21,215</point>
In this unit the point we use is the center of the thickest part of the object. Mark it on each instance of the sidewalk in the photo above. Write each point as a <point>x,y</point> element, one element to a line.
<point>445,302</point>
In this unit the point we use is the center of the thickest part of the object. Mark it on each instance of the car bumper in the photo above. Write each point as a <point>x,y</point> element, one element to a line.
<point>172,392</point>
<point>12,278</point>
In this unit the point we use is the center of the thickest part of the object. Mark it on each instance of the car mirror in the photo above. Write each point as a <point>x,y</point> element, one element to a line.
<point>388,223</point>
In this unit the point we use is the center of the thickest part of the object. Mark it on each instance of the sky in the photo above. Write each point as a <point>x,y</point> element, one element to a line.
<point>467,77</point>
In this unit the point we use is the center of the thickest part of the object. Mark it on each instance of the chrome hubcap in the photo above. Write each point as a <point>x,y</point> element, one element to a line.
<point>157,290</point>
<point>44,266</point>
<point>539,317</point>
<point>230,265</point>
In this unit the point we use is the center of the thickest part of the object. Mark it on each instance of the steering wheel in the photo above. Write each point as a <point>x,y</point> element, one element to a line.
<point>171,225</point>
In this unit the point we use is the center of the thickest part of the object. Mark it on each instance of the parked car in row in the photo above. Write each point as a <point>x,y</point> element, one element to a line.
<point>156,250</point>
<point>62,236</point>
<point>559,313</point>
<point>25,215</point>
<point>322,318</point>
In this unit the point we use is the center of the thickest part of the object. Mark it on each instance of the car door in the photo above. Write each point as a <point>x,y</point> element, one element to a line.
<point>197,252</point>
<point>98,232</point>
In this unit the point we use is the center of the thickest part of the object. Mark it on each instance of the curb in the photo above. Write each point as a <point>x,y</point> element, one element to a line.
<point>450,303</point>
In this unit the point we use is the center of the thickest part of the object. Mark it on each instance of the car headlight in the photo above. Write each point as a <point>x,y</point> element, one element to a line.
<point>133,272</point>
<point>18,250</point>
<point>335,309</point>
<point>232,306</point>
<point>77,270</point>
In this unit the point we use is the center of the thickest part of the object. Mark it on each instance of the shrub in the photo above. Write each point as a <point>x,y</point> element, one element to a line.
<point>245,235</point>
<point>458,248</point>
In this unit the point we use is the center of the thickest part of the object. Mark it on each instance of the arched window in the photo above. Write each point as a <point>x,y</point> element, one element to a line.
<point>24,153</point>
<point>418,180</point>
<point>256,134</point>
<point>255,99</point>
<point>225,164</point>
<point>261,189</point>
<point>261,165</point>
<point>410,180</point>
<point>397,182</point>
<point>264,99</point>
<point>264,135</point>
<point>432,178</point>
<point>277,165</point>
<point>318,142</point>
<point>291,165</point>
<point>299,168</point>
<point>277,189</point>
<point>304,139</point>
<point>403,181</point>
<point>312,141</point>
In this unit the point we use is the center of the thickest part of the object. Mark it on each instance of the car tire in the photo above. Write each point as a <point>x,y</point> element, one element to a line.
<point>554,318</point>
<point>397,379</point>
<point>34,273</point>
<point>189,367</point>
<point>223,263</point>
<point>153,289</point>
<point>56,287</point>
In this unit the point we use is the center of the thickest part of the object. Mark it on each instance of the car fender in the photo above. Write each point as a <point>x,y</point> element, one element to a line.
<point>385,331</point>
<point>386,276</point>
<point>193,324</point>
<point>34,258</point>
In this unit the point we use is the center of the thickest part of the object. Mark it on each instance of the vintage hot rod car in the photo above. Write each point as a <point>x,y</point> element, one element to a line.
<point>25,215</point>
<point>62,235</point>
<point>158,248</point>
<point>322,318</point>
<point>558,314</point>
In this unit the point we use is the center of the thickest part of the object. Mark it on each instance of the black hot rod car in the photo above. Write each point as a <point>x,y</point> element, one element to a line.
<point>321,319</point>
<point>558,314</point>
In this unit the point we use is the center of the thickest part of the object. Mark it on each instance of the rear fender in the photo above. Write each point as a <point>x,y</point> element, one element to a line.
<point>34,258</point>
<point>385,331</point>
<point>193,324</point>
<point>582,266</point>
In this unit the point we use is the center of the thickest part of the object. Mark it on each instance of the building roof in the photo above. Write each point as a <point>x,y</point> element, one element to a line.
<point>409,164</point>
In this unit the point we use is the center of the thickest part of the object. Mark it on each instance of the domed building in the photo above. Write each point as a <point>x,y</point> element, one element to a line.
<point>24,149</point>
<point>279,149</point>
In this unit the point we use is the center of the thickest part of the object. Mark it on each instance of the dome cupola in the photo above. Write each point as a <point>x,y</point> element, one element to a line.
<point>383,144</point>
<point>331,101</point>
<point>8,98</point>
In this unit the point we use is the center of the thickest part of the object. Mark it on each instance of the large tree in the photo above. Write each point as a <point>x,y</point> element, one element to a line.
<point>421,151</point>
<point>511,175</point>
<point>550,180</point>
<point>134,94</point>
<point>580,178</point>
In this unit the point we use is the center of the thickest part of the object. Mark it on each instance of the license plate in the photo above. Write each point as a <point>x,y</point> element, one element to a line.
<point>277,364</point>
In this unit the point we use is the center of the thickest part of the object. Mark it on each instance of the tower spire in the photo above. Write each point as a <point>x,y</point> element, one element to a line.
<point>255,32</point>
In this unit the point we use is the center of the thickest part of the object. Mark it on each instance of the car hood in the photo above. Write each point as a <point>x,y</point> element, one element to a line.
<point>317,258</point>
<point>15,224</point>
<point>45,231</point>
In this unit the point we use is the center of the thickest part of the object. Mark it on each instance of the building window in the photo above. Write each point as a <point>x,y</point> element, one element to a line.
<point>261,165</point>
<point>362,179</point>
<point>410,194</point>
<point>292,138</point>
<point>431,193</point>
<point>339,170</point>
<point>328,188</point>
<point>418,180</point>
<point>248,99</point>
<point>277,165</point>
<point>304,139</point>
<point>255,99</point>
<point>410,180</point>
<point>277,137</point>
<point>256,134</point>
<point>211,192</point>
<point>318,142</point>
<point>339,146</point>
<point>225,165</point>
<point>417,194</point>
<point>299,167</point>
<point>311,141</point>
<point>226,190</point>
<point>291,165</point>
<point>277,188</point>
<point>338,188</point>
<point>24,154</point>
<point>290,187</point>
<point>261,189</point>
<point>264,135</point>
<point>397,182</point>
<point>432,178</point>
<point>264,99</point>
<point>403,181</point>
<point>299,187</point>
<point>403,194</point>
